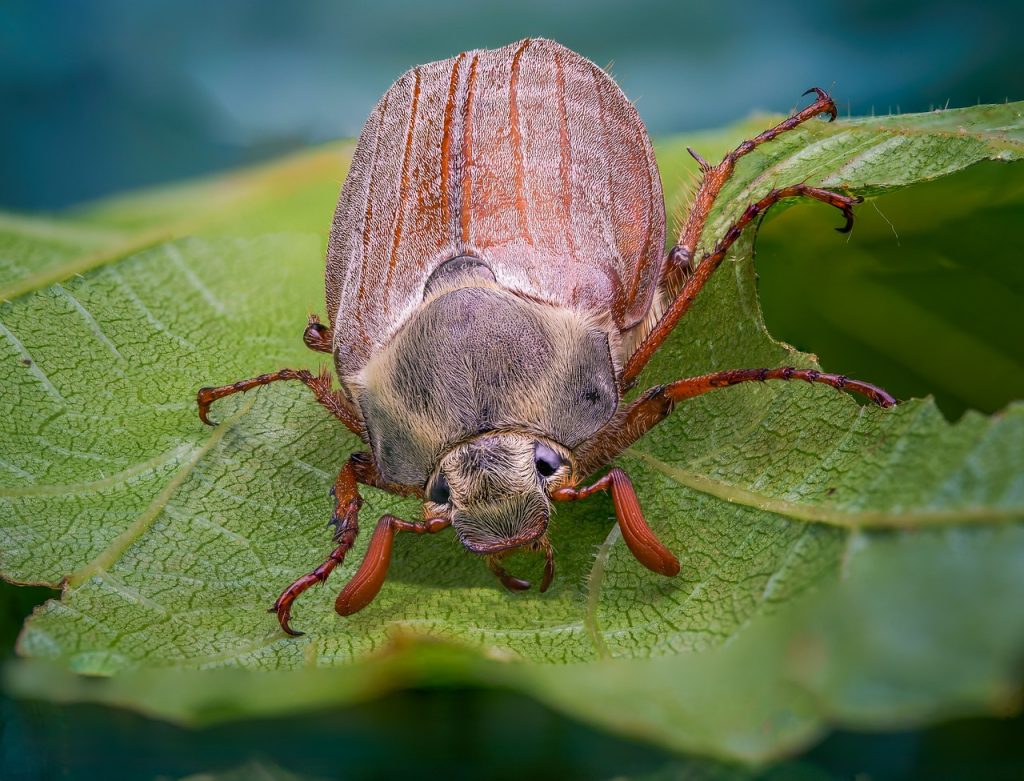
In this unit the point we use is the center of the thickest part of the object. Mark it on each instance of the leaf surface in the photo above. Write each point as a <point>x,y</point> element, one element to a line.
<point>840,563</point>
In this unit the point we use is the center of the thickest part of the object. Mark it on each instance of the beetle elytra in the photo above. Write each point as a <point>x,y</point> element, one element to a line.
<point>496,281</point>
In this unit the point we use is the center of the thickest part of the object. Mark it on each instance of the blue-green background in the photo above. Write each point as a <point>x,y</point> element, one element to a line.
<point>98,97</point>
<point>101,96</point>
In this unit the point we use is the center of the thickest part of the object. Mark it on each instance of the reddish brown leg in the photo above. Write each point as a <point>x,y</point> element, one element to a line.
<point>679,264</point>
<point>317,336</point>
<point>639,538</point>
<point>320,384</point>
<point>695,386</point>
<point>715,177</point>
<point>696,279</point>
<point>657,404</point>
<point>345,519</point>
<point>370,576</point>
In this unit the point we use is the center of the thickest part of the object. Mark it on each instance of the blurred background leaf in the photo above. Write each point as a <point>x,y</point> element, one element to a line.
<point>131,93</point>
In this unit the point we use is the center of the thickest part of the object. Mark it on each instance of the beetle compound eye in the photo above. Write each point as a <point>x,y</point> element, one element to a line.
<point>546,460</point>
<point>440,493</point>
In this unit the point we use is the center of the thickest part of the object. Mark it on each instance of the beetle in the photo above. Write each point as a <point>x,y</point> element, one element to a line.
<point>496,280</point>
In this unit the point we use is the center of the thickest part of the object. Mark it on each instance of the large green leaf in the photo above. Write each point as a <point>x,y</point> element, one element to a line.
<point>920,297</point>
<point>840,563</point>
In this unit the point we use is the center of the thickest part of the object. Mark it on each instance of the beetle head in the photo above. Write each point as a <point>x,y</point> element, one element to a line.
<point>495,489</point>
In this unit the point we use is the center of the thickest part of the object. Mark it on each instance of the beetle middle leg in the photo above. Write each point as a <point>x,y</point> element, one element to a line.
<point>679,268</point>
<point>320,384</point>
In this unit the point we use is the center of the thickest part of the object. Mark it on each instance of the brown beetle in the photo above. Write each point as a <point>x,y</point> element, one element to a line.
<point>496,281</point>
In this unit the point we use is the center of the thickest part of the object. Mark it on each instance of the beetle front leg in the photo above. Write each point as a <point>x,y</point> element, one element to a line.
<point>345,519</point>
<point>370,576</point>
<point>640,539</point>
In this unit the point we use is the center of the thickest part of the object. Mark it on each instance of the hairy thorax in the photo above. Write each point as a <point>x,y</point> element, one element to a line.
<point>477,358</point>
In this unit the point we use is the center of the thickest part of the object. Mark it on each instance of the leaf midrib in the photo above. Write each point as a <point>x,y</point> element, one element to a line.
<point>828,514</point>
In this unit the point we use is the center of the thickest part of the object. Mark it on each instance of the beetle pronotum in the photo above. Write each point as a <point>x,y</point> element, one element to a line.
<point>496,281</point>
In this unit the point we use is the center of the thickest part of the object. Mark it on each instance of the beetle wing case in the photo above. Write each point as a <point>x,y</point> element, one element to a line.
<point>528,157</point>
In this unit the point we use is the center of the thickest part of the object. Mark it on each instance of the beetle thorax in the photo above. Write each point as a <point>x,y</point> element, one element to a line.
<point>479,359</point>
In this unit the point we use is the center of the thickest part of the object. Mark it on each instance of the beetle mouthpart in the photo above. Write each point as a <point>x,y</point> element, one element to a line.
<point>503,546</point>
<point>512,583</point>
<point>549,564</point>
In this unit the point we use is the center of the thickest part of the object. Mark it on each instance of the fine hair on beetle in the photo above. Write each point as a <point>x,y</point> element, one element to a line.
<point>496,281</point>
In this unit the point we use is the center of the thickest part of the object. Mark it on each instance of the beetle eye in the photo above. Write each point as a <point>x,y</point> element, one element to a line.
<point>546,460</point>
<point>440,493</point>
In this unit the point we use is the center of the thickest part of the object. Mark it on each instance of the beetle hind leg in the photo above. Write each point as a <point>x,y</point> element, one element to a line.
<point>685,277</point>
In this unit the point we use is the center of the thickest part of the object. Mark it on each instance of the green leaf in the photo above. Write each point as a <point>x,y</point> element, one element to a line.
<point>254,769</point>
<point>919,298</point>
<point>840,563</point>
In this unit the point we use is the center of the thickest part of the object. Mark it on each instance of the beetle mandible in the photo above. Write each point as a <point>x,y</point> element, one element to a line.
<point>496,281</point>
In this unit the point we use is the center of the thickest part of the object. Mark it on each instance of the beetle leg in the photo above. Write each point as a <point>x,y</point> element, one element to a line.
<point>714,177</point>
<point>317,336</point>
<point>695,279</point>
<point>641,541</point>
<point>695,386</point>
<point>369,578</point>
<point>680,274</point>
<point>345,519</point>
<point>320,384</point>
<point>657,404</point>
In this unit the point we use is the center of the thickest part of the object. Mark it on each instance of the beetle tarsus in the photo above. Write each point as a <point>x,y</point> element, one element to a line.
<point>346,495</point>
<point>283,605</point>
<point>847,209</point>
<point>705,166</point>
<point>320,384</point>
<point>203,401</point>
<point>829,106</point>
